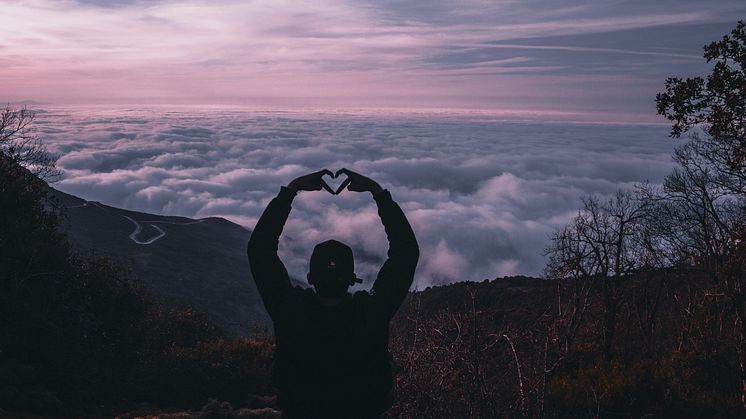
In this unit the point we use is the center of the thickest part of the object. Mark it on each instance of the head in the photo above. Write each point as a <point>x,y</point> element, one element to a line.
<point>332,269</point>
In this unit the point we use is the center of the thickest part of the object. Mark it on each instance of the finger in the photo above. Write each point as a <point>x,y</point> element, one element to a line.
<point>327,172</point>
<point>346,171</point>
<point>325,186</point>
<point>356,188</point>
<point>343,186</point>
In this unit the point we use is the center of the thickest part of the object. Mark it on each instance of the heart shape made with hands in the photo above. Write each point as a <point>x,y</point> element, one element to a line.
<point>335,183</point>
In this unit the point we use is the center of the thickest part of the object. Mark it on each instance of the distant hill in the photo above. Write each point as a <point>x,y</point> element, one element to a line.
<point>516,299</point>
<point>201,263</point>
<point>27,102</point>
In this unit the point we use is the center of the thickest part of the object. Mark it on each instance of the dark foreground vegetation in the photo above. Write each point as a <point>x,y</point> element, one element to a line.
<point>79,335</point>
<point>510,348</point>
<point>644,314</point>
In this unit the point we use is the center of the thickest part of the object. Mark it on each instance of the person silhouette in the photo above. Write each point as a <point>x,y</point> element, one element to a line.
<point>331,357</point>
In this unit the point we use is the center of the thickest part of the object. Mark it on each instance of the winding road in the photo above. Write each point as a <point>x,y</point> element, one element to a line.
<point>138,227</point>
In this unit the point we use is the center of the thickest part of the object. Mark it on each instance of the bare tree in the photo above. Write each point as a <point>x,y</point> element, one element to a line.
<point>19,142</point>
<point>697,219</point>
<point>693,216</point>
<point>596,251</point>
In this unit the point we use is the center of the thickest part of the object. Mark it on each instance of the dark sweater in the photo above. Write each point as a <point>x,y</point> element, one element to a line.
<point>332,361</point>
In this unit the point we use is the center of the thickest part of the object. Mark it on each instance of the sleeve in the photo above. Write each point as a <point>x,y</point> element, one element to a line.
<point>269,272</point>
<point>397,273</point>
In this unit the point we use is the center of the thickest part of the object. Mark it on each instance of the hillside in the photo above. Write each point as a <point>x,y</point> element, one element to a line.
<point>201,263</point>
<point>514,347</point>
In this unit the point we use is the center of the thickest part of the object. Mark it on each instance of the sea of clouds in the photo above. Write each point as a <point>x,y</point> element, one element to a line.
<point>483,193</point>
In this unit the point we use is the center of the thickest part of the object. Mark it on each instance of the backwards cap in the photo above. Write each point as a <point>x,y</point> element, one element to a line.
<point>333,259</point>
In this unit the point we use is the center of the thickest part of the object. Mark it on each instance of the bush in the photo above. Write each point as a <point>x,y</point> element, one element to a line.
<point>682,385</point>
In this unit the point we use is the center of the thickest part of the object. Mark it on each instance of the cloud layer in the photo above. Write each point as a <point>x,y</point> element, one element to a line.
<point>482,192</point>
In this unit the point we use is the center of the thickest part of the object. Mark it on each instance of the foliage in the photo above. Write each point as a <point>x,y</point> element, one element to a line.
<point>720,101</point>
<point>19,142</point>
<point>494,349</point>
<point>717,104</point>
<point>228,370</point>
<point>670,387</point>
<point>79,331</point>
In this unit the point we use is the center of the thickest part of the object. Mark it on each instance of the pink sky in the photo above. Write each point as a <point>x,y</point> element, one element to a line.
<point>466,54</point>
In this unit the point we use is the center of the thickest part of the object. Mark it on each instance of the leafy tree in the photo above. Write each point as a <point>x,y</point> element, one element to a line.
<point>717,104</point>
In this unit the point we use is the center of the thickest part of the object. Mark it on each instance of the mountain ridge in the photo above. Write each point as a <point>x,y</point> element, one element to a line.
<point>182,261</point>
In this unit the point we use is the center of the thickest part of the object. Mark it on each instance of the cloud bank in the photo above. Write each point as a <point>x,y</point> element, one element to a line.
<point>482,193</point>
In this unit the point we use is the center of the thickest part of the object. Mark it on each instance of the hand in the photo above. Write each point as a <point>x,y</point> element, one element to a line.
<point>357,182</point>
<point>312,182</point>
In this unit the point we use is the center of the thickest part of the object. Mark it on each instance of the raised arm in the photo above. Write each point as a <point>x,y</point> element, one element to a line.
<point>271,276</point>
<point>397,273</point>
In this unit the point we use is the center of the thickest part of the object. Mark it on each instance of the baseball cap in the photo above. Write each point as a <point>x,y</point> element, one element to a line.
<point>333,259</point>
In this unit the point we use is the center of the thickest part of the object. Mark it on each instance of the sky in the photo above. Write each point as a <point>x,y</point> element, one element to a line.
<point>600,57</point>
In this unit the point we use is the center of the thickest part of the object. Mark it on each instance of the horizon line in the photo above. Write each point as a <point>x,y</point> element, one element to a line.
<point>508,115</point>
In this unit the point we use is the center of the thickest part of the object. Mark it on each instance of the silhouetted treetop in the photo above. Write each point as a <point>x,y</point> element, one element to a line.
<point>718,102</point>
<point>19,142</point>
